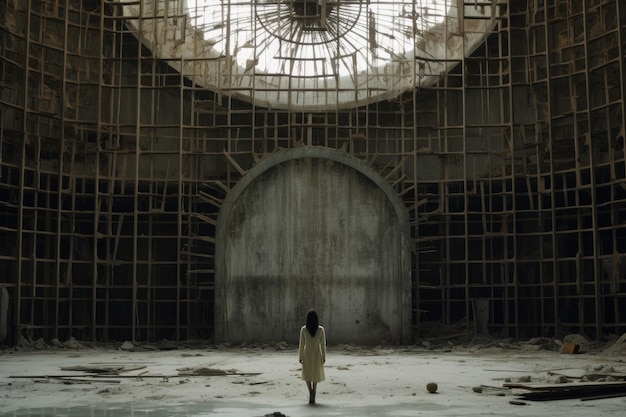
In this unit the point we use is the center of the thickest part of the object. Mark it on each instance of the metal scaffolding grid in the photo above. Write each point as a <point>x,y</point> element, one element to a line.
<point>114,166</point>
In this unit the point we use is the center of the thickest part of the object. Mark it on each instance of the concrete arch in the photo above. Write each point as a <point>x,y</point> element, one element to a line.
<point>312,227</point>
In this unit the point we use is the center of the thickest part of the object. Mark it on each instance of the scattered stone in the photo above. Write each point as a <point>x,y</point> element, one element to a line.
<point>541,343</point>
<point>561,379</point>
<point>22,342</point>
<point>281,346</point>
<point>524,378</point>
<point>477,389</point>
<point>203,371</point>
<point>619,347</point>
<point>576,338</point>
<point>532,347</point>
<point>153,348</point>
<point>128,345</point>
<point>72,343</point>
<point>40,344</point>
<point>55,342</point>
<point>431,387</point>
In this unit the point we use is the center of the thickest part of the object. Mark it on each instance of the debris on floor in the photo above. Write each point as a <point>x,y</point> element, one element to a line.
<point>617,348</point>
<point>550,392</point>
<point>587,383</point>
<point>204,371</point>
<point>598,374</point>
<point>104,370</point>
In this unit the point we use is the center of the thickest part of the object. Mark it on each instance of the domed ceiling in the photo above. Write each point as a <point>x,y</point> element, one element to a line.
<point>310,54</point>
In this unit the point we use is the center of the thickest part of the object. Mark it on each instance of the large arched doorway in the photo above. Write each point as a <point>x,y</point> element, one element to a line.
<point>312,228</point>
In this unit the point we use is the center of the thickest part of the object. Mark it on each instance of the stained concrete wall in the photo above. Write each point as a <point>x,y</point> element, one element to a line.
<point>312,228</point>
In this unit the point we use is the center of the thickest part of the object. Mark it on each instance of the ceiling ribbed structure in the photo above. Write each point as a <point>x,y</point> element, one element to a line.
<point>310,54</point>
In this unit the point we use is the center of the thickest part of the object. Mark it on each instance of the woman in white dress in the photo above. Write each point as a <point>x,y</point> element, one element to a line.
<point>312,353</point>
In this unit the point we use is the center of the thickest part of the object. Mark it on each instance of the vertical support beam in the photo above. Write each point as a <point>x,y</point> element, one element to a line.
<point>33,214</point>
<point>506,80</point>
<point>415,255</point>
<point>59,200</point>
<point>110,183</point>
<point>597,268</point>
<point>621,38</point>
<point>96,215</point>
<point>179,222</point>
<point>137,151</point>
<point>22,167</point>
<point>549,147</point>
<point>539,150</point>
<point>466,239</point>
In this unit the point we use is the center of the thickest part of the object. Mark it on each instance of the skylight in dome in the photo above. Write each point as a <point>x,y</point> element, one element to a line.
<point>314,38</point>
<point>310,54</point>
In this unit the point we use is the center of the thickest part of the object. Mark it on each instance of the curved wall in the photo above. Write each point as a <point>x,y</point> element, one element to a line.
<point>114,166</point>
<point>312,228</point>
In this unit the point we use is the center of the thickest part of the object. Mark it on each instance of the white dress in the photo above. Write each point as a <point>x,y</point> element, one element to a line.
<point>312,354</point>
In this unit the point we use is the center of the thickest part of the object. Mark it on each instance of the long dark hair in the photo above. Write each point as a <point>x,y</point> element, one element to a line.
<point>312,321</point>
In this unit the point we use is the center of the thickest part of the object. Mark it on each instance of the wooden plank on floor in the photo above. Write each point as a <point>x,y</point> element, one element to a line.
<point>566,386</point>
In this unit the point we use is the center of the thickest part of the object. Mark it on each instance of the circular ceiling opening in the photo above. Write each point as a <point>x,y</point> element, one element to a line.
<point>310,54</point>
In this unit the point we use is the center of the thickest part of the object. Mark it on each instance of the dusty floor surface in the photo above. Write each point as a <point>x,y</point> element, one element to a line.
<point>264,380</point>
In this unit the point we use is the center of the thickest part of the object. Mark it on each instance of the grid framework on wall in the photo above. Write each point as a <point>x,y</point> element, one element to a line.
<point>114,167</point>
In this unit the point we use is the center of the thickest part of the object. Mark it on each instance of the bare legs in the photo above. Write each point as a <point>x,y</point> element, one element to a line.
<point>312,386</point>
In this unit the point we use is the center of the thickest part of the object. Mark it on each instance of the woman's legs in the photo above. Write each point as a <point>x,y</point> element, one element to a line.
<point>312,386</point>
<point>309,385</point>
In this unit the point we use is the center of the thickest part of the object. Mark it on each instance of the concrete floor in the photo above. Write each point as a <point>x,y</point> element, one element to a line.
<point>362,382</point>
<point>235,410</point>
